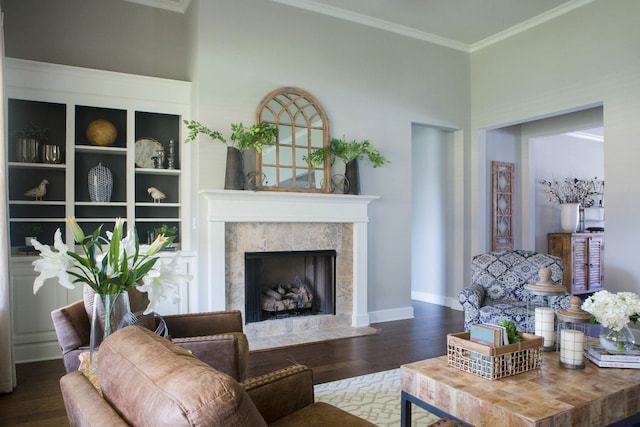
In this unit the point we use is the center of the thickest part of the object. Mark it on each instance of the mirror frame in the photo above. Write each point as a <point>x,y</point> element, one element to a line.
<point>287,97</point>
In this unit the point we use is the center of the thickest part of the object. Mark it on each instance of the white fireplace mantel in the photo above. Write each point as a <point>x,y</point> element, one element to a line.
<point>224,206</point>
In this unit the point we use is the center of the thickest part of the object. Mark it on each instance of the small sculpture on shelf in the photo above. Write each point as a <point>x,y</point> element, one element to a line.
<point>156,194</point>
<point>38,192</point>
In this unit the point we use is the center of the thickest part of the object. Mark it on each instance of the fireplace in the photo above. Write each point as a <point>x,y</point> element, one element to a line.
<point>289,283</point>
<point>269,221</point>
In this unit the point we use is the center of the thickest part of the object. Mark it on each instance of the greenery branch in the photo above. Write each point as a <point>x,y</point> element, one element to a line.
<point>242,137</point>
<point>347,151</point>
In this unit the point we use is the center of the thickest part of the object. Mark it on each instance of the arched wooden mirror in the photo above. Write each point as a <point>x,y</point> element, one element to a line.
<point>302,127</point>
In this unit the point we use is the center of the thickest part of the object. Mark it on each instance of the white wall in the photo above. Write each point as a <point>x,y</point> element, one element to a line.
<point>372,84</point>
<point>559,157</point>
<point>432,222</point>
<point>583,58</point>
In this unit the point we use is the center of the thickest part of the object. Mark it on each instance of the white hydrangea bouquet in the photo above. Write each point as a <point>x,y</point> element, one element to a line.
<point>614,312</point>
<point>110,265</point>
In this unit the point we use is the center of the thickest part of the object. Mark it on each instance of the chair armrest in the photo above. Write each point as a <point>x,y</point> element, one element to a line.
<point>84,405</point>
<point>228,353</point>
<point>282,392</point>
<point>73,330</point>
<point>471,298</point>
<point>201,324</point>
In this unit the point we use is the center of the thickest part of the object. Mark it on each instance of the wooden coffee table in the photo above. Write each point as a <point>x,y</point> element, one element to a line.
<point>549,396</point>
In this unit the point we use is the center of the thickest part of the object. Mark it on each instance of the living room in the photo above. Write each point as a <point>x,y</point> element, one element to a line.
<point>376,85</point>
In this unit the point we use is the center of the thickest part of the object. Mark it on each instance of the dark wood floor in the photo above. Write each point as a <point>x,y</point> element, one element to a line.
<point>37,401</point>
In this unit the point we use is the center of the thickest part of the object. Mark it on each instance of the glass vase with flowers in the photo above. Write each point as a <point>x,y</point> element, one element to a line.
<point>614,312</point>
<point>110,266</point>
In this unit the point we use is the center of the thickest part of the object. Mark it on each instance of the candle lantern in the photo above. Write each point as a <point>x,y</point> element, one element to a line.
<point>541,319</point>
<point>574,330</point>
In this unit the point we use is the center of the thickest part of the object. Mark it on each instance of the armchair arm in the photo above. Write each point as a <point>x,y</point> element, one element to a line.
<point>228,353</point>
<point>84,405</point>
<point>201,324</point>
<point>281,392</point>
<point>73,330</point>
<point>471,298</point>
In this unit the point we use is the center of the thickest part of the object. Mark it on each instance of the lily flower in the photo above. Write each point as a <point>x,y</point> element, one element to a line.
<point>52,264</point>
<point>162,283</point>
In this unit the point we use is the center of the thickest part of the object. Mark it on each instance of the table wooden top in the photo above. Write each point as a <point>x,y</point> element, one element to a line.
<point>549,396</point>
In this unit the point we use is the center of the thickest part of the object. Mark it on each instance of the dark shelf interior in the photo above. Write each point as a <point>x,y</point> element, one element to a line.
<point>85,115</point>
<point>47,115</point>
<point>162,128</point>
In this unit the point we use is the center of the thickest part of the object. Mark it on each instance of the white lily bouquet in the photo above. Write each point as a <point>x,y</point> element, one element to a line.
<point>110,265</point>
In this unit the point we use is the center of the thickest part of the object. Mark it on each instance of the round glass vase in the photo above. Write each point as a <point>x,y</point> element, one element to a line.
<point>616,342</point>
<point>109,313</point>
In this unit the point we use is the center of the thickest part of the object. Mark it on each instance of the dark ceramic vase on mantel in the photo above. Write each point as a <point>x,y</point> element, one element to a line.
<point>353,180</point>
<point>234,175</point>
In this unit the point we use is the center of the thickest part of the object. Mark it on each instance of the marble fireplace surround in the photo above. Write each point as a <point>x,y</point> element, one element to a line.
<point>246,221</point>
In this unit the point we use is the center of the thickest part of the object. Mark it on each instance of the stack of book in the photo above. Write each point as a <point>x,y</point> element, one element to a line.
<point>603,359</point>
<point>488,334</point>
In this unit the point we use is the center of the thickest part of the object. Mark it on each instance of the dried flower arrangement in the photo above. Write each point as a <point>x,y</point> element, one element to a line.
<point>573,190</point>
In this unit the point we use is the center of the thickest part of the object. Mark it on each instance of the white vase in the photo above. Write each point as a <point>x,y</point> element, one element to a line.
<point>569,216</point>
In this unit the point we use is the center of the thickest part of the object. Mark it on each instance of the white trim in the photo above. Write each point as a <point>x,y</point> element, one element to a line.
<point>528,24</point>
<point>450,302</point>
<point>391,315</point>
<point>179,6</point>
<point>336,12</point>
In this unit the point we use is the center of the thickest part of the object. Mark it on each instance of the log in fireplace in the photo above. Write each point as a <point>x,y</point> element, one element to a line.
<point>289,283</point>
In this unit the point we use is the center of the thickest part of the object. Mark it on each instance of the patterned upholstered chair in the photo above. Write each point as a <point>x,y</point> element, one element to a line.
<point>497,289</point>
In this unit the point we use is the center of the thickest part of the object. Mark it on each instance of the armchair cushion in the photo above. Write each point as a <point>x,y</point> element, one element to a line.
<point>216,338</point>
<point>497,286</point>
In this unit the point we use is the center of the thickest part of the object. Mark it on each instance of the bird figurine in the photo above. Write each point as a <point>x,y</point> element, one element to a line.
<point>39,191</point>
<point>156,194</point>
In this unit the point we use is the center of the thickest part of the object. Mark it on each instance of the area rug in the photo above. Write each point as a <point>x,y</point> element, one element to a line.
<point>374,397</point>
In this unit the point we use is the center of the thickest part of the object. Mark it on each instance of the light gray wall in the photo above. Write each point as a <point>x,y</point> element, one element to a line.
<point>431,215</point>
<point>109,35</point>
<point>372,84</point>
<point>583,58</point>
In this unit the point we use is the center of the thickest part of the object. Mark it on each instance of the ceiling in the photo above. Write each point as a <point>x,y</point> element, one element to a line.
<point>465,25</point>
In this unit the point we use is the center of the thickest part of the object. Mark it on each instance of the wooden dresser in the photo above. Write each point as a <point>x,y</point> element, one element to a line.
<point>582,260</point>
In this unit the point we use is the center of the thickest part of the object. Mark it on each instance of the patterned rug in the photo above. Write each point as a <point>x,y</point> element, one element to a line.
<point>374,397</point>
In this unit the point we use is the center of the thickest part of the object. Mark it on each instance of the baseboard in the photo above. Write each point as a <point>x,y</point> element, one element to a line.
<point>401,313</point>
<point>452,303</point>
<point>36,352</point>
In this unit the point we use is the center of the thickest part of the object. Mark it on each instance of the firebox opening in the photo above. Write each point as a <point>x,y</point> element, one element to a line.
<point>289,283</point>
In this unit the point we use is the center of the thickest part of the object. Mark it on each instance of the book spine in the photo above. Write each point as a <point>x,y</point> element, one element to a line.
<point>608,364</point>
<point>605,357</point>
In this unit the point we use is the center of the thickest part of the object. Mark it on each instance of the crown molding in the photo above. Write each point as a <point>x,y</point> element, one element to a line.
<point>336,12</point>
<point>179,6</point>
<point>530,23</point>
<point>381,24</point>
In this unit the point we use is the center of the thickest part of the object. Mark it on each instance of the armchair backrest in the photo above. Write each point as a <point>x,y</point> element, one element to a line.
<point>504,274</point>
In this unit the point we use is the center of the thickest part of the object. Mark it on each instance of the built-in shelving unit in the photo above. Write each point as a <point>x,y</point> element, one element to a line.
<point>65,100</point>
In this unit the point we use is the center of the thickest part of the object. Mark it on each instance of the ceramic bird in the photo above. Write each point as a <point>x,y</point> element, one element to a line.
<point>39,191</point>
<point>156,194</point>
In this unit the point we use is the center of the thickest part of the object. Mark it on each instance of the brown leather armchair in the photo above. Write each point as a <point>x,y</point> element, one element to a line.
<point>216,338</point>
<point>145,380</point>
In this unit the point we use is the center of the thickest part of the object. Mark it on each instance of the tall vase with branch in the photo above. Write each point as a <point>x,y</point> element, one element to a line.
<point>573,195</point>
<point>349,152</point>
<point>242,139</point>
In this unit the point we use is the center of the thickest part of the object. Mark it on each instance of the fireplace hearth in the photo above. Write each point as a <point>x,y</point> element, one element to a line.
<point>289,283</point>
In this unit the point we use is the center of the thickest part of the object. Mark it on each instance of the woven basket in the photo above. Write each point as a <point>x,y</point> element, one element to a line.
<point>494,362</point>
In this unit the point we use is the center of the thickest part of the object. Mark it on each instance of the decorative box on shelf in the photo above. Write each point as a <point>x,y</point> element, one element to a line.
<point>494,362</point>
